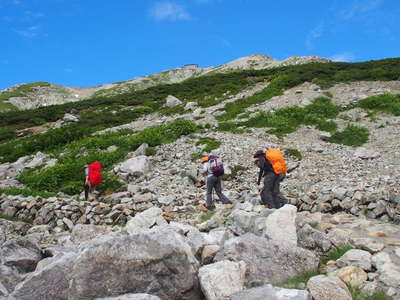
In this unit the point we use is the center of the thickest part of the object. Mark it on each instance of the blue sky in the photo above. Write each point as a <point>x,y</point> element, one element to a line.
<point>87,43</point>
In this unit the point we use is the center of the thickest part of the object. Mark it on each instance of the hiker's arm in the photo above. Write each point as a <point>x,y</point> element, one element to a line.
<point>204,171</point>
<point>260,165</point>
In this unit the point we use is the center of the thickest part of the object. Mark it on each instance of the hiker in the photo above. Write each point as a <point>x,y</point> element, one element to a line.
<point>213,169</point>
<point>92,178</point>
<point>272,167</point>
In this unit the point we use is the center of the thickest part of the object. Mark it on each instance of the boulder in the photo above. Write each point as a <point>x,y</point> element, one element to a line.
<point>3,290</point>
<point>146,219</point>
<point>22,253</point>
<point>357,258</point>
<point>353,276</point>
<point>222,279</point>
<point>9,277</point>
<point>49,282</point>
<point>271,293</point>
<point>85,232</point>
<point>280,226</point>
<point>156,261</point>
<point>136,166</point>
<point>311,238</point>
<point>69,118</point>
<point>191,106</point>
<point>366,153</point>
<point>172,101</point>
<point>141,150</point>
<point>390,275</point>
<point>322,287</point>
<point>267,261</point>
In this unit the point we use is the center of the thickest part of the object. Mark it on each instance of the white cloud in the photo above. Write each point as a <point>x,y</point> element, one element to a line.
<point>345,56</point>
<point>359,9</point>
<point>29,32</point>
<point>314,34</point>
<point>169,11</point>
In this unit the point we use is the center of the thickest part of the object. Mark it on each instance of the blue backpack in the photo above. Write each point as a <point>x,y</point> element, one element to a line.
<point>216,165</point>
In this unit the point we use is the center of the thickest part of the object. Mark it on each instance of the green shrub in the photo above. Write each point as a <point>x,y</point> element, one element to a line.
<point>151,151</point>
<point>357,294</point>
<point>354,136</point>
<point>174,110</point>
<point>293,153</point>
<point>324,125</point>
<point>322,107</point>
<point>388,103</point>
<point>205,216</point>
<point>229,127</point>
<point>6,133</point>
<point>335,254</point>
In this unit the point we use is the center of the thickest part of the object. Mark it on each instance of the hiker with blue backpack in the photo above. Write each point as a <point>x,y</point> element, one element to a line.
<point>213,168</point>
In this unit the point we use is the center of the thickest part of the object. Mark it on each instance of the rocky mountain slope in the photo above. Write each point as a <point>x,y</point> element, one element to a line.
<point>34,95</point>
<point>148,236</point>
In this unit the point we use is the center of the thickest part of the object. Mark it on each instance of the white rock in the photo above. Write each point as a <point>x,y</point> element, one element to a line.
<point>222,279</point>
<point>322,287</point>
<point>357,258</point>
<point>172,101</point>
<point>281,225</point>
<point>136,166</point>
<point>145,219</point>
<point>70,118</point>
<point>365,153</point>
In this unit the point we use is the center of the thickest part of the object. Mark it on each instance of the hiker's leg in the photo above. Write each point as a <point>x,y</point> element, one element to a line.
<point>275,192</point>
<point>209,184</point>
<point>266,193</point>
<point>86,187</point>
<point>91,191</point>
<point>218,190</point>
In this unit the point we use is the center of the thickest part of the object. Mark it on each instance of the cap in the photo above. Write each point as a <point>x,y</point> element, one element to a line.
<point>204,159</point>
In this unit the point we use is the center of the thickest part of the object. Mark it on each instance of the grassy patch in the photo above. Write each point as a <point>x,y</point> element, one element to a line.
<point>67,175</point>
<point>205,216</point>
<point>354,136</point>
<point>357,294</point>
<point>151,151</point>
<point>26,192</point>
<point>174,110</point>
<point>230,127</point>
<point>210,144</point>
<point>288,119</point>
<point>313,224</point>
<point>335,254</point>
<point>303,278</point>
<point>296,154</point>
<point>388,103</point>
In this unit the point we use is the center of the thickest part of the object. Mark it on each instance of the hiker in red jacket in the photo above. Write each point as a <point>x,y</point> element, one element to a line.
<point>92,178</point>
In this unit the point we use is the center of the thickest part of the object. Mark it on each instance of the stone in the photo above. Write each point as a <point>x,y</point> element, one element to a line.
<point>69,223</point>
<point>390,274</point>
<point>172,101</point>
<point>339,237</point>
<point>222,279</point>
<point>322,287</point>
<point>85,232</point>
<point>191,106</point>
<point>379,259</point>
<point>357,258</point>
<point>3,290</point>
<point>69,118</point>
<point>208,253</point>
<point>136,166</point>
<point>339,193</point>
<point>269,292</point>
<point>353,276</point>
<point>145,219</point>
<point>311,238</point>
<point>166,200</point>
<point>131,297</point>
<point>49,282</point>
<point>155,260</point>
<point>141,150</point>
<point>267,261</point>
<point>22,253</point>
<point>280,226</point>
<point>366,153</point>
<point>368,244</point>
<point>10,277</point>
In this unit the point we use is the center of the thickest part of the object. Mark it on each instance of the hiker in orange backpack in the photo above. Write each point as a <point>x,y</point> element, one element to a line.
<point>272,167</point>
<point>213,168</point>
<point>92,178</point>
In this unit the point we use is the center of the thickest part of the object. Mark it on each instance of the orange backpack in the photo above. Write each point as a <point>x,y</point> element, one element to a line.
<point>275,157</point>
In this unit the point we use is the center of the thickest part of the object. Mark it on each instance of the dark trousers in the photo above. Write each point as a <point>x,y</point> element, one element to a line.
<point>214,183</point>
<point>270,194</point>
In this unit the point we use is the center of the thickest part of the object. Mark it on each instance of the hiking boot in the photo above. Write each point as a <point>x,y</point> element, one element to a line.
<point>210,207</point>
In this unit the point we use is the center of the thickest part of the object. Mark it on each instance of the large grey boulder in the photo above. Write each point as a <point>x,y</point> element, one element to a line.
<point>136,166</point>
<point>222,279</point>
<point>85,232</point>
<point>267,261</point>
<point>131,297</point>
<point>172,101</point>
<point>244,221</point>
<point>322,287</point>
<point>280,226</point>
<point>22,253</point>
<point>9,277</point>
<point>311,238</point>
<point>49,282</point>
<point>271,293</point>
<point>3,290</point>
<point>156,262</point>
<point>357,258</point>
<point>146,219</point>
